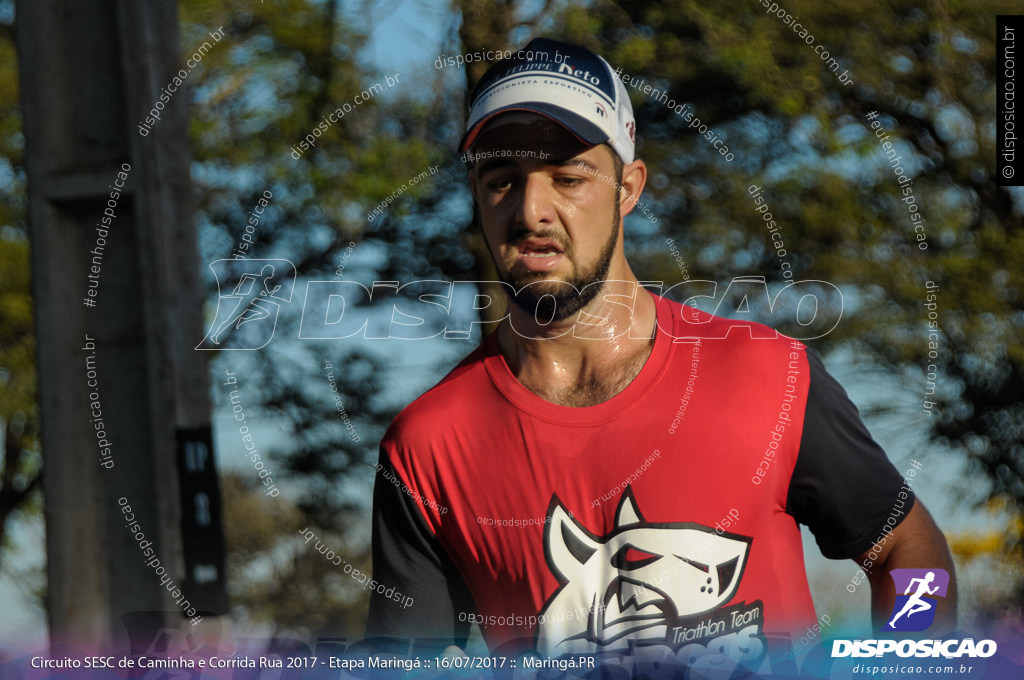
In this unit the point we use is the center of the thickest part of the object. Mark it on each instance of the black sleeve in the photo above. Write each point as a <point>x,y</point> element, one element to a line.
<point>418,593</point>
<point>843,486</point>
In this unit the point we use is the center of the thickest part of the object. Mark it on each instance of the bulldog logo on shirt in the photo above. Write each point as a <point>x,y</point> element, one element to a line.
<point>642,583</point>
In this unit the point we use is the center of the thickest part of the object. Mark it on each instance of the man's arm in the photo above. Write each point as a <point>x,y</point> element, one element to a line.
<point>419,594</point>
<point>849,494</point>
<point>916,543</point>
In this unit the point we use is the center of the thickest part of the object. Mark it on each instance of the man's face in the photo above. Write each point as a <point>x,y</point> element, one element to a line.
<point>547,213</point>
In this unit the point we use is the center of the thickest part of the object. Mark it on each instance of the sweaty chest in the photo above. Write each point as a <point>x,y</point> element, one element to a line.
<point>588,389</point>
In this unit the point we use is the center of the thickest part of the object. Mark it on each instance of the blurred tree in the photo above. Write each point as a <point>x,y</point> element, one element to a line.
<point>21,469</point>
<point>281,579</point>
<point>21,465</point>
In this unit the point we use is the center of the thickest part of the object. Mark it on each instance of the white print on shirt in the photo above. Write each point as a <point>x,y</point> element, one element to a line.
<point>644,583</point>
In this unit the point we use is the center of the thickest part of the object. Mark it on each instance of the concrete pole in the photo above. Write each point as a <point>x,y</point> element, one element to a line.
<point>118,311</point>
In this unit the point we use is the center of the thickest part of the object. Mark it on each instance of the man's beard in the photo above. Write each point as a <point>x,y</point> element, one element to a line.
<point>553,300</point>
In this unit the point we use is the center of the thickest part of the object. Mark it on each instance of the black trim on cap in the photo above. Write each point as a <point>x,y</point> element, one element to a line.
<point>580,128</point>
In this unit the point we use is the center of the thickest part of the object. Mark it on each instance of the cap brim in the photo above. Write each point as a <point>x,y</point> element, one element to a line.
<point>580,128</point>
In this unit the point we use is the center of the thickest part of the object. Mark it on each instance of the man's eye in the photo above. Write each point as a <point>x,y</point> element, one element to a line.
<point>499,184</point>
<point>569,181</point>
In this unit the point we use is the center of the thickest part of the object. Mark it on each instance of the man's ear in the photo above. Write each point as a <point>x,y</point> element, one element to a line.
<point>634,179</point>
<point>471,176</point>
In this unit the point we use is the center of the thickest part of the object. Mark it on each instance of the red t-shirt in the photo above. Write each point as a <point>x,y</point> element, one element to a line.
<point>663,516</point>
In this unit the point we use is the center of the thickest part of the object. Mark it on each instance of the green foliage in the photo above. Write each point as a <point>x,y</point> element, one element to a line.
<point>281,579</point>
<point>20,467</point>
<point>17,339</point>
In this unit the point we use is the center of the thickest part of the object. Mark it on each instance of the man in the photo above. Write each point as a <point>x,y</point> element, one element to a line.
<point>612,472</point>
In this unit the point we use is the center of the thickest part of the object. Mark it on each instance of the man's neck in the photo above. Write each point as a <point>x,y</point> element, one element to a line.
<point>587,358</point>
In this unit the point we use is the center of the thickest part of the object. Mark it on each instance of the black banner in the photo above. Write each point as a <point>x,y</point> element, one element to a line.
<point>201,528</point>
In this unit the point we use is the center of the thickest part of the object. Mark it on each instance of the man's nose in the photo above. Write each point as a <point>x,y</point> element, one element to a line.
<point>538,201</point>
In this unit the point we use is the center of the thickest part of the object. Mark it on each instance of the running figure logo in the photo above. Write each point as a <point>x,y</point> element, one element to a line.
<point>249,312</point>
<point>915,608</point>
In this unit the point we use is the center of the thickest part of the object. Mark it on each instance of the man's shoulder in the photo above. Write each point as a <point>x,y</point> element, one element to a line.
<point>446,403</point>
<point>690,324</point>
